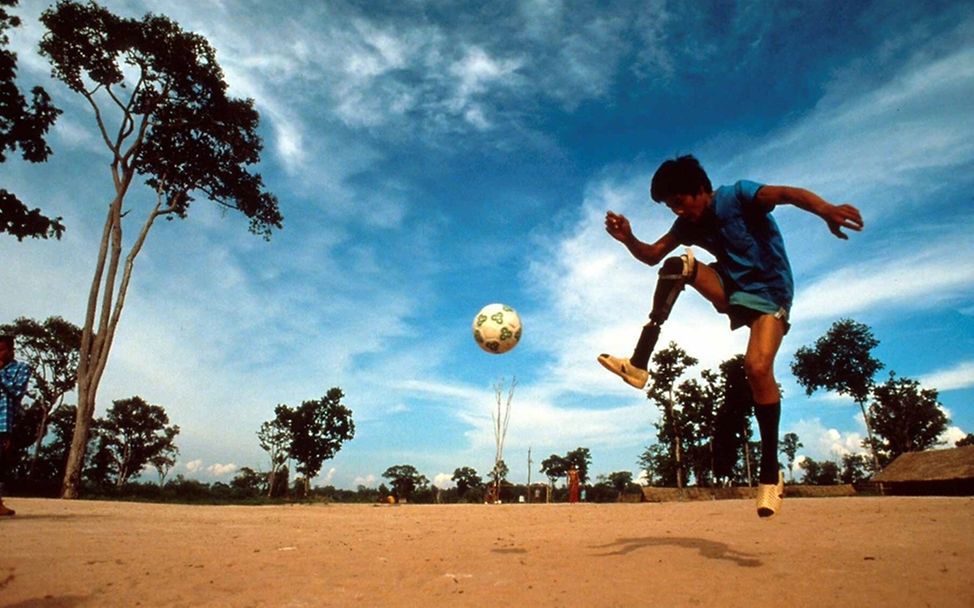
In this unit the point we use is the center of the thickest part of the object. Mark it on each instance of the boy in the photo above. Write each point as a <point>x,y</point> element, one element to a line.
<point>14,376</point>
<point>751,281</point>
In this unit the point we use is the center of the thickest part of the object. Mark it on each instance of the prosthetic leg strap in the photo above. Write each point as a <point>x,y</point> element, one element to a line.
<point>675,273</point>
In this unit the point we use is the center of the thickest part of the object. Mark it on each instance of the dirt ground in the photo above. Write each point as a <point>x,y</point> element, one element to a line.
<point>860,551</point>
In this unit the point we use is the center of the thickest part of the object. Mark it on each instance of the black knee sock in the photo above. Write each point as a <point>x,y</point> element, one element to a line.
<point>644,348</point>
<point>768,418</point>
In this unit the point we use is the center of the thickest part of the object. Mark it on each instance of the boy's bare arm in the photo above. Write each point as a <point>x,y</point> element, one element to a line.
<point>617,225</point>
<point>836,216</point>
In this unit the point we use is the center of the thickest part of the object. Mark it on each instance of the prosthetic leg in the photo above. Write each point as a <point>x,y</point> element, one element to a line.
<point>674,275</point>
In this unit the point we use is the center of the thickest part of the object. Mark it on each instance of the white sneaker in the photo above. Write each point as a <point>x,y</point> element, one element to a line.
<point>633,375</point>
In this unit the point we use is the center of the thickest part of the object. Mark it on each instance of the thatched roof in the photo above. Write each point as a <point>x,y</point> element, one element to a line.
<point>932,465</point>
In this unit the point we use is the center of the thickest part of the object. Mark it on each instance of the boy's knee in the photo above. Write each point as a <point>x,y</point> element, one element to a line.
<point>759,369</point>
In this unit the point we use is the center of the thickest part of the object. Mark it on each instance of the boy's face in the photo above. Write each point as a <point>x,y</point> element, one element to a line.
<point>690,206</point>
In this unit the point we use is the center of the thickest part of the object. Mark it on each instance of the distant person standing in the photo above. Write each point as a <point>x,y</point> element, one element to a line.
<point>14,376</point>
<point>573,485</point>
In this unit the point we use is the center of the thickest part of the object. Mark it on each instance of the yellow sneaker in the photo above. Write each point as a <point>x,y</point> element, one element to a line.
<point>633,375</point>
<point>769,497</point>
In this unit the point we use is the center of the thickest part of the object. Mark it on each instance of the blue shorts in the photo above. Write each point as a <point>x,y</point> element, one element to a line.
<point>745,308</point>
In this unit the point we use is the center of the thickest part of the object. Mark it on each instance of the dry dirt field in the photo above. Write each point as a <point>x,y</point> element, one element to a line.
<point>860,551</point>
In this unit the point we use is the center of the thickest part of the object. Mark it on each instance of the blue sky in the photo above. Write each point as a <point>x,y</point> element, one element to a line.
<point>433,157</point>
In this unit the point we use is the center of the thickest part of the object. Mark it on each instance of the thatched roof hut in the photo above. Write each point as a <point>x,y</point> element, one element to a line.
<point>938,472</point>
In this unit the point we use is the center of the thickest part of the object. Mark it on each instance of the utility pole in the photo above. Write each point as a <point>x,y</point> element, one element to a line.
<point>529,473</point>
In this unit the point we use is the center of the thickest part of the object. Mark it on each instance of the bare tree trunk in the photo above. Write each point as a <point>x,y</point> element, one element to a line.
<point>677,448</point>
<point>95,346</point>
<point>869,433</point>
<point>501,419</point>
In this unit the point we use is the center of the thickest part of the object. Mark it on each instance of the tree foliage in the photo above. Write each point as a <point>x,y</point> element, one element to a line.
<point>789,447</point>
<point>161,107</point>
<point>707,418</point>
<point>309,434</point>
<point>841,361</point>
<point>275,439</point>
<point>51,350</point>
<point>23,126</point>
<point>668,365</point>
<point>620,480</point>
<point>905,418</point>
<point>405,479</point>
<point>554,467</point>
<point>318,428</point>
<point>820,473</point>
<point>466,478</point>
<point>131,435</point>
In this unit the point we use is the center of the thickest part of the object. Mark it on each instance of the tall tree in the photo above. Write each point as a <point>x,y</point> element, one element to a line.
<point>698,401</point>
<point>820,473</point>
<point>501,418</point>
<point>732,427</point>
<point>789,447</point>
<point>466,478</point>
<point>668,365</point>
<point>405,479</point>
<point>132,434</point>
<point>318,428</point>
<point>841,361</point>
<point>275,439</point>
<point>855,468</point>
<point>581,458</point>
<point>160,104</point>
<point>658,464</point>
<point>23,125</point>
<point>620,480</point>
<point>54,454</point>
<point>906,418</point>
<point>51,350</point>
<point>248,482</point>
<point>554,467</point>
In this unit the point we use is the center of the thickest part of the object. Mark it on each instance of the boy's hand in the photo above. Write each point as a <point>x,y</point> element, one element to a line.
<point>617,225</point>
<point>843,216</point>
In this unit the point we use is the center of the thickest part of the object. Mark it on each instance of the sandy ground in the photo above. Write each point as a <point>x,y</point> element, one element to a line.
<point>875,551</point>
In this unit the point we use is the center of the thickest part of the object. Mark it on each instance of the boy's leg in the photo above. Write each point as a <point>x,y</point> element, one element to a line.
<point>5,448</point>
<point>767,332</point>
<point>674,275</point>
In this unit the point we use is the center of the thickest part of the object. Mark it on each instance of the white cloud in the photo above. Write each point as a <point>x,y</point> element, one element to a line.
<point>825,443</point>
<point>327,476</point>
<point>951,436</point>
<point>444,481</point>
<point>891,283</point>
<point>960,376</point>
<point>194,465</point>
<point>220,470</point>
<point>368,481</point>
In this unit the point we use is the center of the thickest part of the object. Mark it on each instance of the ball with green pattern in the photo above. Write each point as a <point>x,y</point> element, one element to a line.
<point>497,328</point>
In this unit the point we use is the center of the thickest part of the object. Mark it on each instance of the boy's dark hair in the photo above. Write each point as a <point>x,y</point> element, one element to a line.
<point>7,339</point>
<point>681,175</point>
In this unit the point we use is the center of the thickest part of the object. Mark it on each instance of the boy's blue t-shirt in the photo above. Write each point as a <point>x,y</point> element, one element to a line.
<point>747,244</point>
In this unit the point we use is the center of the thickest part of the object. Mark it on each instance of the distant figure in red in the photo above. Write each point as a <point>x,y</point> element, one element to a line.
<point>573,486</point>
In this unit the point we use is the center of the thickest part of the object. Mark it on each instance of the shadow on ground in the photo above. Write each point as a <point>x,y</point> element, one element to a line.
<point>707,548</point>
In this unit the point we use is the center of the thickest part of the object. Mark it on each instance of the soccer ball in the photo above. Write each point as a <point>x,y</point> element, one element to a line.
<point>497,328</point>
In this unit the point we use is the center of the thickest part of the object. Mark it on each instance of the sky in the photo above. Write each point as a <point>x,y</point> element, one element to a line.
<point>433,157</point>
